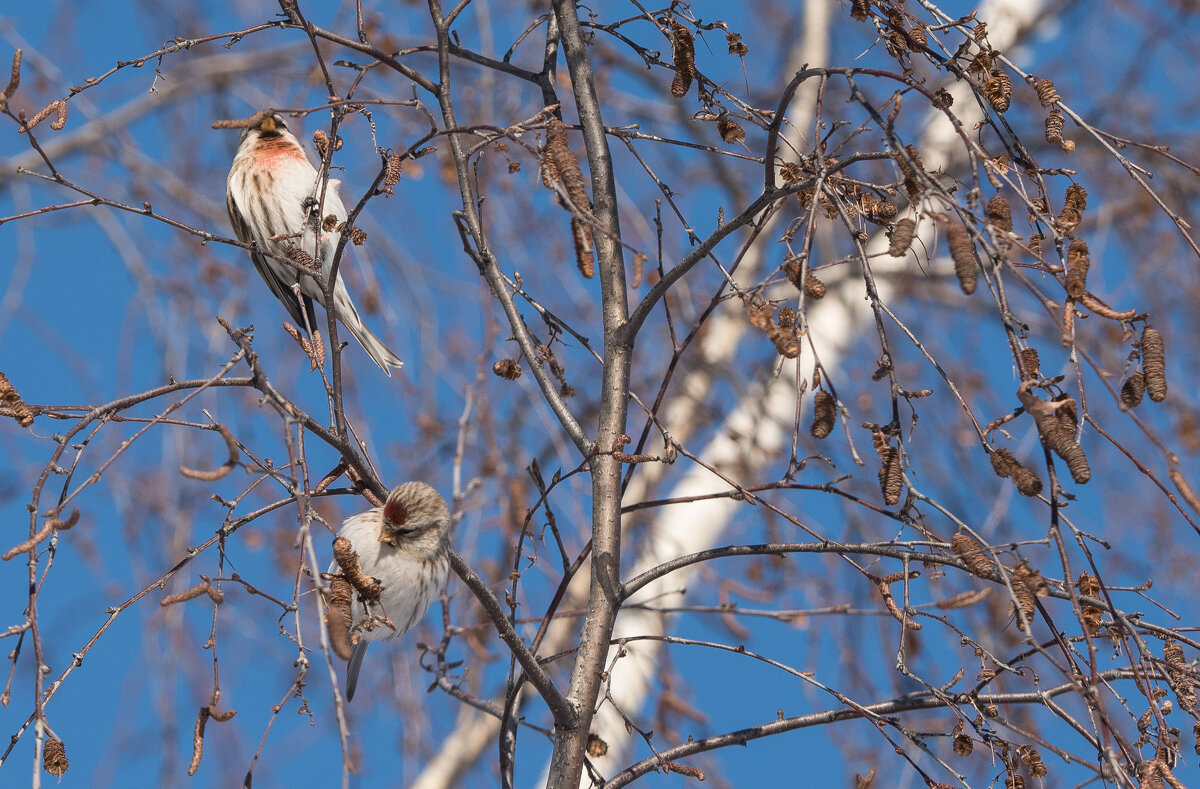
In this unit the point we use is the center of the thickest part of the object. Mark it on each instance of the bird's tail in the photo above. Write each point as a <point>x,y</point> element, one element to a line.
<point>379,353</point>
<point>354,666</point>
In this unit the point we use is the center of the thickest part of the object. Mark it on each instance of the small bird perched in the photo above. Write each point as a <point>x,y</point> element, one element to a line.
<point>403,553</point>
<point>277,202</point>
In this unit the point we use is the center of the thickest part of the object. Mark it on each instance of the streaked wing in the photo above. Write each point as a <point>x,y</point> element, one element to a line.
<point>271,272</point>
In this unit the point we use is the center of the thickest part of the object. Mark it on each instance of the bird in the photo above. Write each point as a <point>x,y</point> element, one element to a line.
<point>277,202</point>
<point>403,559</point>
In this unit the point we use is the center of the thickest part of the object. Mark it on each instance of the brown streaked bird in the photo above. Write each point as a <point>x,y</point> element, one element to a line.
<point>276,201</point>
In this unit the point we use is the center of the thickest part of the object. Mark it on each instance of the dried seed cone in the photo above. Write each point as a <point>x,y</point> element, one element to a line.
<point>1069,219</point>
<point>1078,264</point>
<point>685,60</point>
<point>560,165</point>
<point>1005,465</point>
<point>730,130</point>
<point>1132,390</point>
<point>1031,365</point>
<point>508,369</point>
<point>891,475</point>
<point>1088,586</point>
<point>813,287</point>
<point>794,271</point>
<point>1025,584</point>
<point>962,250</point>
<point>339,616</point>
<point>1054,126</point>
<point>1077,463</point>
<point>10,398</point>
<point>902,238</point>
<point>824,414</point>
<point>1179,674</point>
<point>1154,364</point>
<point>886,210</point>
<point>1047,95</point>
<point>54,758</point>
<point>1056,423</point>
<point>1076,197</point>
<point>998,90</point>
<point>859,10</point>
<point>786,341</point>
<point>963,745</point>
<point>973,556</point>
<point>1026,481</point>
<point>912,178</point>
<point>999,213</point>
<point>1032,759</point>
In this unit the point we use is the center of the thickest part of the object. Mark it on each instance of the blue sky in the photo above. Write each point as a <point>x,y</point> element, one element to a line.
<point>92,311</point>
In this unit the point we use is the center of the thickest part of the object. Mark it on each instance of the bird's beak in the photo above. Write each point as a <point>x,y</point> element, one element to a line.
<point>388,538</point>
<point>267,124</point>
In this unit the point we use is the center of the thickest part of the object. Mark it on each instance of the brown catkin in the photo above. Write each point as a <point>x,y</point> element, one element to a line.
<point>9,397</point>
<point>963,745</point>
<point>886,210</point>
<point>1154,364</point>
<point>1025,584</point>
<point>730,130</point>
<point>1088,586</point>
<point>1032,760</point>
<point>1077,463</point>
<point>1047,95</point>
<point>859,10</point>
<point>891,475</point>
<point>794,271</point>
<point>14,79</point>
<point>1069,219</point>
<point>998,90</point>
<point>1132,390</point>
<point>737,47</point>
<point>685,60</point>
<point>1003,462</point>
<point>1005,465</point>
<point>1031,365</point>
<point>300,257</point>
<point>54,758</point>
<point>1056,422</point>
<point>824,414</point>
<point>1177,670</point>
<point>340,616</point>
<point>814,288</point>
<point>902,238</point>
<point>911,167</point>
<point>508,369</point>
<point>392,171</point>
<point>999,213</point>
<point>1054,126</point>
<point>1026,481</point>
<point>560,165</point>
<point>1076,197</point>
<point>919,37</point>
<point>973,555</point>
<point>1078,264</point>
<point>962,250</point>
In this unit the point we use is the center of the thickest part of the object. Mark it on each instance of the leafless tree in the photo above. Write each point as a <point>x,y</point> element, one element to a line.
<point>793,369</point>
